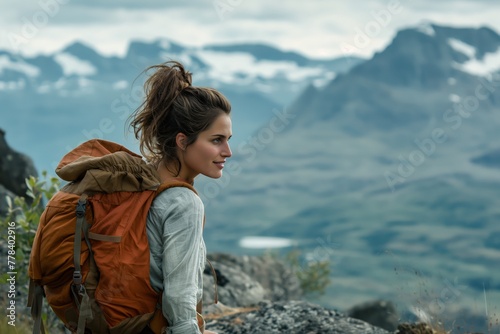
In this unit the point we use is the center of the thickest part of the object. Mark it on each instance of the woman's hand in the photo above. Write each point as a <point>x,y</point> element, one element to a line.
<point>209,332</point>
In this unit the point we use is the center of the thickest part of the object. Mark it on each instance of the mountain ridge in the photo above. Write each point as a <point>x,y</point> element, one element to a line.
<point>423,61</point>
<point>78,79</point>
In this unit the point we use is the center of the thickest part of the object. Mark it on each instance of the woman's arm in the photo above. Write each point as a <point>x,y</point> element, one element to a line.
<point>182,253</point>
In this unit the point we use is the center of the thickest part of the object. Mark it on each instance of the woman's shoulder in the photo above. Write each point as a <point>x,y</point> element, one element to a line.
<point>178,196</point>
<point>179,206</point>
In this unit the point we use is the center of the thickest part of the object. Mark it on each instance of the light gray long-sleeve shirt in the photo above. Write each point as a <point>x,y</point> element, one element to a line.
<point>178,253</point>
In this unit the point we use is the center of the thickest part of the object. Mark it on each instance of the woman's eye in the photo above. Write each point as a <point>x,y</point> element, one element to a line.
<point>216,141</point>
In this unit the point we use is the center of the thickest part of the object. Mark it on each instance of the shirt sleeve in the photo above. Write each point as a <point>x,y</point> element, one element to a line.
<point>180,216</point>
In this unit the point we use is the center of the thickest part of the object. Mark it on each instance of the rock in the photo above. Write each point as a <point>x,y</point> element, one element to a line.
<point>246,280</point>
<point>15,167</point>
<point>379,313</point>
<point>234,287</point>
<point>417,328</point>
<point>288,317</point>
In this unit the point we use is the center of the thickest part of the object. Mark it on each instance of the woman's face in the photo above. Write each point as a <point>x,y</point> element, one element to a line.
<point>209,152</point>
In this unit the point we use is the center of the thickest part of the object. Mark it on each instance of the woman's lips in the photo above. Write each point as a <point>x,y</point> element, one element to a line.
<point>220,164</point>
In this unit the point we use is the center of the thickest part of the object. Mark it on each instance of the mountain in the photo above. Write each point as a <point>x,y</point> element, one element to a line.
<point>77,93</point>
<point>385,171</point>
<point>438,61</point>
<point>267,52</point>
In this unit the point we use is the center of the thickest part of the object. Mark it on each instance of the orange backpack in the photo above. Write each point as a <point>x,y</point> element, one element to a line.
<point>90,256</point>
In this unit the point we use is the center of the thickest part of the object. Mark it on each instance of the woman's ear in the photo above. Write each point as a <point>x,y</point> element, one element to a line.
<point>181,141</point>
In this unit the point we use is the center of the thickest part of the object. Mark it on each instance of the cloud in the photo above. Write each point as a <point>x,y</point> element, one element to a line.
<point>316,28</point>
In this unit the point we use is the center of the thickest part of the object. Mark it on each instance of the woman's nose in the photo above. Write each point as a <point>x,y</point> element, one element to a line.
<point>227,151</point>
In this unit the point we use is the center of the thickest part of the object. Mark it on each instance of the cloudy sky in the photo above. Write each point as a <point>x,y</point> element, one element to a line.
<point>317,28</point>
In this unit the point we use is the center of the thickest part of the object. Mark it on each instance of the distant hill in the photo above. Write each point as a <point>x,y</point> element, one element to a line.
<point>489,159</point>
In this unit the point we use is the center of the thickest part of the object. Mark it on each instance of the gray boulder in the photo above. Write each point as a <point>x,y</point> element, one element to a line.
<point>15,167</point>
<point>234,287</point>
<point>379,313</point>
<point>247,280</point>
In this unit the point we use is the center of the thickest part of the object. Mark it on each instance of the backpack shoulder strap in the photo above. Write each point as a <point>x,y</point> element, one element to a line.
<point>35,300</point>
<point>174,183</point>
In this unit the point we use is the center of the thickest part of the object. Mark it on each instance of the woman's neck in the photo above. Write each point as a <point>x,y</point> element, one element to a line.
<point>166,174</point>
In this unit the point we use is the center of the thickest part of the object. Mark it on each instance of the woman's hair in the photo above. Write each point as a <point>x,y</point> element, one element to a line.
<point>171,106</point>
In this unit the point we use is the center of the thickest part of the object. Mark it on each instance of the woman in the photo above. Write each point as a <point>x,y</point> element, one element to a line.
<point>184,131</point>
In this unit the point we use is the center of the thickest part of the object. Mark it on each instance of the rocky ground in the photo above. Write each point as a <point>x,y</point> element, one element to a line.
<point>262,295</point>
<point>290,317</point>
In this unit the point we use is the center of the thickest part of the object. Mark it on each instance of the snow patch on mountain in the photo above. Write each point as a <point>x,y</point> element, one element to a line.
<point>239,66</point>
<point>184,58</point>
<point>73,65</point>
<point>462,47</point>
<point>12,85</point>
<point>322,82</point>
<point>84,82</point>
<point>164,44</point>
<point>454,98</point>
<point>122,84</point>
<point>44,88</point>
<point>261,87</point>
<point>68,86</point>
<point>19,66</point>
<point>426,28</point>
<point>489,64</point>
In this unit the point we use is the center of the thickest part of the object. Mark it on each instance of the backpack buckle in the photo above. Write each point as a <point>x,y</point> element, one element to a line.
<point>77,277</point>
<point>80,207</point>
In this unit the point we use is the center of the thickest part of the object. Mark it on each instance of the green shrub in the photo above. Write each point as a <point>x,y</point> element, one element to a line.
<point>25,215</point>
<point>314,276</point>
<point>22,218</point>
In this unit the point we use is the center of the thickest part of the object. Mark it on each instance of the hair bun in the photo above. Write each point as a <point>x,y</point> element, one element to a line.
<point>188,78</point>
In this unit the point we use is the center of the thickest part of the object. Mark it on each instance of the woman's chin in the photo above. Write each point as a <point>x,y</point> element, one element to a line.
<point>216,175</point>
